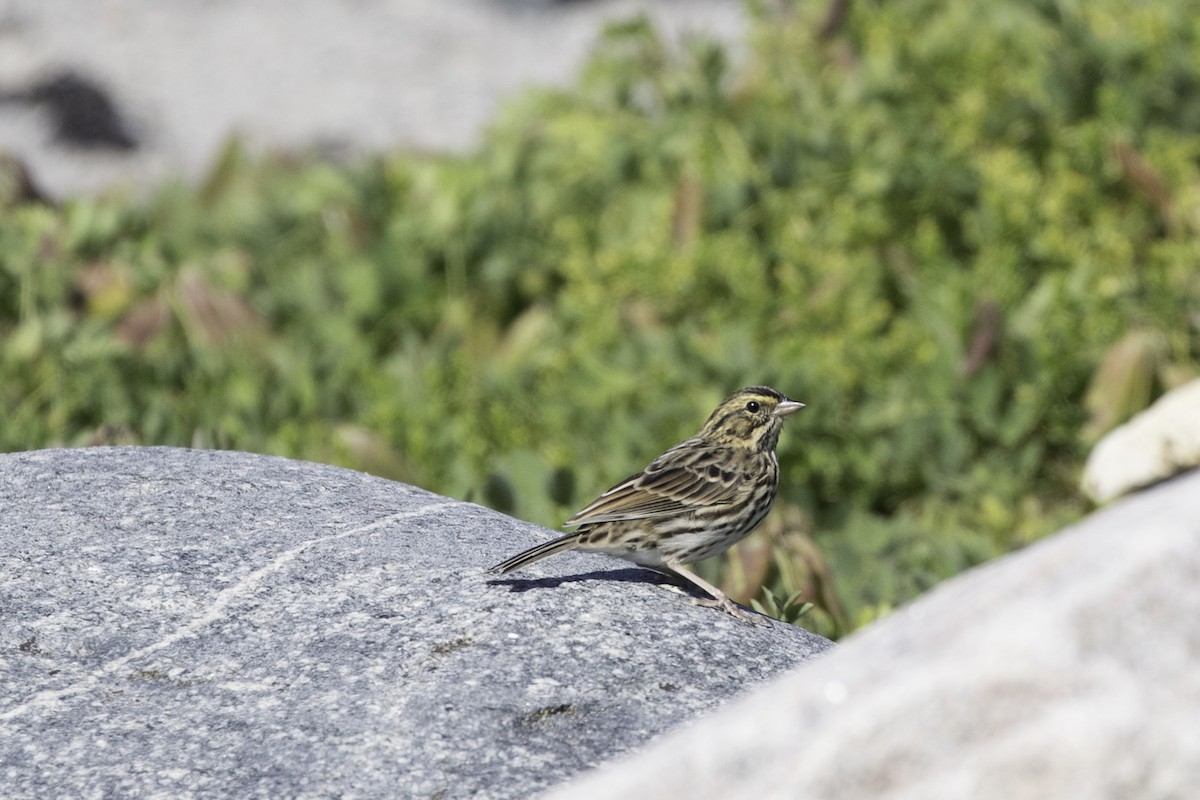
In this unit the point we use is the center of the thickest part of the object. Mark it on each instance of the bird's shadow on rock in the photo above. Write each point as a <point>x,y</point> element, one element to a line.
<point>630,575</point>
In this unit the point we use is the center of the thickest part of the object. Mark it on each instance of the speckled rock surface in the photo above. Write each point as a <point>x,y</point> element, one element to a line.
<point>1065,670</point>
<point>184,623</point>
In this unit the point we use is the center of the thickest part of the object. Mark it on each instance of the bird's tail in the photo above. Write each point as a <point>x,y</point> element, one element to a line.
<point>568,542</point>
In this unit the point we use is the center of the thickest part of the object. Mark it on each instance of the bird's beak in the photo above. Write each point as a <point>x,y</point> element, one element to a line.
<point>787,407</point>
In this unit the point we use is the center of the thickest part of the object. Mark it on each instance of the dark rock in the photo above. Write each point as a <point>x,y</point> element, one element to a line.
<point>16,184</point>
<point>84,114</point>
<point>195,623</point>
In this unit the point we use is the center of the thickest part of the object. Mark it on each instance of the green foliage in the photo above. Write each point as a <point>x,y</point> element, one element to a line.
<point>931,228</point>
<point>787,608</point>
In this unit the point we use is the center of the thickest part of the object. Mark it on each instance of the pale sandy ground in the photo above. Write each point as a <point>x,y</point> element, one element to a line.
<point>362,75</point>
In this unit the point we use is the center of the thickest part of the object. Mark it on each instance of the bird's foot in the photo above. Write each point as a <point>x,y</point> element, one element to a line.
<point>730,607</point>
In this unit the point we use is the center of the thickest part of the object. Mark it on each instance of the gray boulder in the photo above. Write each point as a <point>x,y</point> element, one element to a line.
<point>180,623</point>
<point>1067,670</point>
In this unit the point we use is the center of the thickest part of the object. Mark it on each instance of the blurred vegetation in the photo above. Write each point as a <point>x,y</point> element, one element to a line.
<point>964,233</point>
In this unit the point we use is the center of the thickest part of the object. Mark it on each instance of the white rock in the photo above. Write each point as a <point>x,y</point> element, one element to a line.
<point>1161,441</point>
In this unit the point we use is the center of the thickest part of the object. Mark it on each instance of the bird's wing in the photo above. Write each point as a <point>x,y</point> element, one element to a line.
<point>686,477</point>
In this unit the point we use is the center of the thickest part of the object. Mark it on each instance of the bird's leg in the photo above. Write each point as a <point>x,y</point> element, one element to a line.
<point>718,598</point>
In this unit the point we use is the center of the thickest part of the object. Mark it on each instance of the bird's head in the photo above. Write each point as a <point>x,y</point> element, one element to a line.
<point>750,418</point>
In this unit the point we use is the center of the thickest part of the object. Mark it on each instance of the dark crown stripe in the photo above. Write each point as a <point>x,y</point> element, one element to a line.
<point>762,390</point>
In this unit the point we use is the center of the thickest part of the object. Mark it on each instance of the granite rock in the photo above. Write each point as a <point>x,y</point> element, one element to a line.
<point>1068,669</point>
<point>179,623</point>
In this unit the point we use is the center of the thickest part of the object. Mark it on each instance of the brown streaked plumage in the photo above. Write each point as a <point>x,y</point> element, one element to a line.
<point>694,501</point>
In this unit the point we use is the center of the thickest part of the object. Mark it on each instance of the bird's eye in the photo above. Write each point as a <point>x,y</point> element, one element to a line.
<point>752,406</point>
